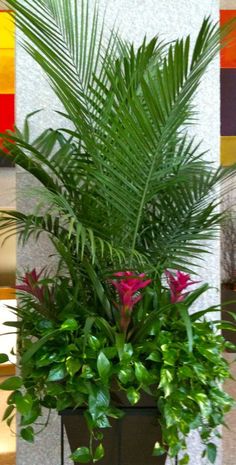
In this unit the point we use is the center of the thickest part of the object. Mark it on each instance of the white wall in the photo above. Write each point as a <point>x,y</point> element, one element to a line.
<point>170,18</point>
<point>7,341</point>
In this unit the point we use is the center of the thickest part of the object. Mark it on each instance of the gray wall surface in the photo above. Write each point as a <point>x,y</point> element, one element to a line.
<point>171,19</point>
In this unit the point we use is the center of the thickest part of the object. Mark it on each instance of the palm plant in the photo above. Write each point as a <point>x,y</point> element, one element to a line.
<point>125,188</point>
<point>127,181</point>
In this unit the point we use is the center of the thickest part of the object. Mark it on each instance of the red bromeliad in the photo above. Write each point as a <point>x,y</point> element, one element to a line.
<point>178,283</point>
<point>127,288</point>
<point>31,285</point>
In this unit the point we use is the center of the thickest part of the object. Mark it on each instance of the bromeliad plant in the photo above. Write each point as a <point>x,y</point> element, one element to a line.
<point>125,196</point>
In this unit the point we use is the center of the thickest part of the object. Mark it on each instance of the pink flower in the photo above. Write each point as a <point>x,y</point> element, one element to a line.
<point>31,285</point>
<point>178,283</point>
<point>127,289</point>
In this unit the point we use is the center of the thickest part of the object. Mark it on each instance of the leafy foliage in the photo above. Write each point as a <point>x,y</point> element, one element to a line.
<point>84,361</point>
<point>125,188</point>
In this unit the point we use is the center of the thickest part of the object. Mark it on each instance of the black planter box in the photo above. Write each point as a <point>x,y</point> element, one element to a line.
<point>129,441</point>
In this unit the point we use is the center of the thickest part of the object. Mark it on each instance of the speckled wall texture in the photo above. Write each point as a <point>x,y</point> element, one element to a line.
<point>170,18</point>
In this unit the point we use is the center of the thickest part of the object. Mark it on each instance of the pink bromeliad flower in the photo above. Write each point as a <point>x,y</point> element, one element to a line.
<point>31,285</point>
<point>127,286</point>
<point>178,283</point>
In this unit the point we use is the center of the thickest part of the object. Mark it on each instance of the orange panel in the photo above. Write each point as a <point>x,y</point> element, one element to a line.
<point>228,54</point>
<point>7,71</point>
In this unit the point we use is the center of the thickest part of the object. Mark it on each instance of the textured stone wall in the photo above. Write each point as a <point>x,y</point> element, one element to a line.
<point>170,19</point>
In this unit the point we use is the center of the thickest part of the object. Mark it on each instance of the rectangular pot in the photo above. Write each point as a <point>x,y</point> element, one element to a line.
<point>129,441</point>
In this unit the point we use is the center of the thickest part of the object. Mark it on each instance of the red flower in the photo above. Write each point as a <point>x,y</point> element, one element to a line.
<point>178,283</point>
<point>127,289</point>
<point>31,285</point>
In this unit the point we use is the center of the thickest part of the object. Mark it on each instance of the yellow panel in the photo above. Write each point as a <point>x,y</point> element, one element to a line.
<point>7,71</point>
<point>228,150</point>
<point>7,29</point>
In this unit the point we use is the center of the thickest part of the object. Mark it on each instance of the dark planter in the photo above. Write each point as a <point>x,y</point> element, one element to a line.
<point>129,441</point>
<point>228,295</point>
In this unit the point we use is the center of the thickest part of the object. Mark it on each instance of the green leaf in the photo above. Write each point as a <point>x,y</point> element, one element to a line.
<point>73,365</point>
<point>183,310</point>
<point>98,288</point>
<point>154,356</point>
<point>158,450</point>
<point>4,358</point>
<point>10,420</point>
<point>31,416</point>
<point>211,452</point>
<point>142,373</point>
<point>57,373</point>
<point>185,460</point>
<point>94,343</point>
<point>133,395</point>
<point>11,384</point>
<point>126,375</point>
<point>102,422</point>
<point>166,381</point>
<point>99,453</point>
<point>69,325</point>
<point>24,403</point>
<point>27,434</point>
<point>103,366</point>
<point>81,455</point>
<point>8,412</point>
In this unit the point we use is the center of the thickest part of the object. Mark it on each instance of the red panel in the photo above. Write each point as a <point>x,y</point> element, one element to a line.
<point>228,53</point>
<point>7,112</point>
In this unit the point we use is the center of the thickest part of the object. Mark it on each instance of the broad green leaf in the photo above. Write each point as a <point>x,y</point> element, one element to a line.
<point>154,356</point>
<point>211,452</point>
<point>103,366</point>
<point>58,373</point>
<point>11,384</point>
<point>69,325</point>
<point>133,395</point>
<point>31,416</point>
<point>4,358</point>
<point>24,403</point>
<point>73,365</point>
<point>142,373</point>
<point>126,375</point>
<point>27,434</point>
<point>185,460</point>
<point>94,342</point>
<point>102,422</point>
<point>99,453</point>
<point>81,455</point>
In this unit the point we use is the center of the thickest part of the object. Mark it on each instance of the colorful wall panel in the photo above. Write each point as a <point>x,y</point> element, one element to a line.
<point>228,94</point>
<point>7,77</point>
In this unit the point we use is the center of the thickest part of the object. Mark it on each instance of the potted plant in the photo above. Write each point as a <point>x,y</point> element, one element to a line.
<point>127,198</point>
